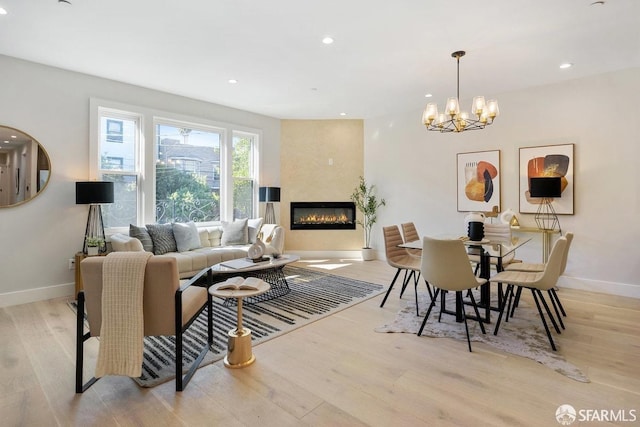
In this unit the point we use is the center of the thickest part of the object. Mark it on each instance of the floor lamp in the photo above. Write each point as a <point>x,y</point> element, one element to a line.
<point>269,195</point>
<point>546,188</point>
<point>93,193</point>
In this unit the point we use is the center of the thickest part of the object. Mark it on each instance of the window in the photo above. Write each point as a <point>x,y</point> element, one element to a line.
<point>187,173</point>
<point>171,168</point>
<point>243,174</point>
<point>119,163</point>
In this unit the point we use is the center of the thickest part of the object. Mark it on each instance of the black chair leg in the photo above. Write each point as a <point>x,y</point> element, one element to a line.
<point>555,308</point>
<point>464,317</point>
<point>433,303</point>
<point>81,337</point>
<point>544,322</point>
<point>516,301</point>
<point>554,295</point>
<point>405,281</point>
<point>390,287</point>
<point>548,310</point>
<point>475,308</point>
<point>507,299</point>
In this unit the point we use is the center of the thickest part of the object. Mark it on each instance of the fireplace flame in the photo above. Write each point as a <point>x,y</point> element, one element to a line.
<point>323,219</point>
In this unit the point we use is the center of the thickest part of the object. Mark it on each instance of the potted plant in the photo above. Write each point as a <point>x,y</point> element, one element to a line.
<point>367,202</point>
<point>93,245</point>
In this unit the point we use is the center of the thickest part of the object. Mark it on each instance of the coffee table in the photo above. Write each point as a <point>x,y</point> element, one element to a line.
<point>239,353</point>
<point>270,271</point>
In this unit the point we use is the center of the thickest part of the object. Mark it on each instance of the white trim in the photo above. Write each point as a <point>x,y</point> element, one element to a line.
<point>611,288</point>
<point>37,294</point>
<point>355,255</point>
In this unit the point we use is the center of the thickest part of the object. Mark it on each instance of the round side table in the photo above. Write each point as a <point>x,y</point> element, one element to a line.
<point>239,352</point>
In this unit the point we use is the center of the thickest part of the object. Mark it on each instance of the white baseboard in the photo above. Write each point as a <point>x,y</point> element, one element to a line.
<point>38,294</point>
<point>611,288</point>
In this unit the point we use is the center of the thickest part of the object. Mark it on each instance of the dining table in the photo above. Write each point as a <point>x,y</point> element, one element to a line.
<point>484,250</point>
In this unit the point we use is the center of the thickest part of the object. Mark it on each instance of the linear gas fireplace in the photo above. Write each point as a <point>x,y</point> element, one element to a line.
<point>323,216</point>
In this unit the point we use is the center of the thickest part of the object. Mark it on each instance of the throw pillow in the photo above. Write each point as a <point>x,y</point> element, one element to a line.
<point>254,228</point>
<point>235,233</point>
<point>162,237</point>
<point>186,236</point>
<point>141,234</point>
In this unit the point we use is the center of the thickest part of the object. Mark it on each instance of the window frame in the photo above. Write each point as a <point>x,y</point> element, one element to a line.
<point>148,118</point>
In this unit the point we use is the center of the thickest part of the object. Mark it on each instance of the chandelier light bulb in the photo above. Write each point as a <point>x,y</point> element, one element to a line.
<point>494,111</point>
<point>478,105</point>
<point>452,107</point>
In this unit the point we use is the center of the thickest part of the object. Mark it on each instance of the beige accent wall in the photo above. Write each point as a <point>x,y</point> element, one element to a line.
<point>320,161</point>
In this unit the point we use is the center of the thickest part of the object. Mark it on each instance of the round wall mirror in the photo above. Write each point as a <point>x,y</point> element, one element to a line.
<point>24,167</point>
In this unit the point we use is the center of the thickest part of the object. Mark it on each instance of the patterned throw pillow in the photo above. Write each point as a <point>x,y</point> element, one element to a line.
<point>162,237</point>
<point>235,233</point>
<point>186,236</point>
<point>141,234</point>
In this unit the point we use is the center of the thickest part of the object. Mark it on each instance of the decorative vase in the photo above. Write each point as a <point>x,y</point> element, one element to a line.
<point>368,254</point>
<point>92,250</point>
<point>256,251</point>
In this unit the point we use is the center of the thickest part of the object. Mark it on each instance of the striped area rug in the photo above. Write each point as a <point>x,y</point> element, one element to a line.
<point>314,295</point>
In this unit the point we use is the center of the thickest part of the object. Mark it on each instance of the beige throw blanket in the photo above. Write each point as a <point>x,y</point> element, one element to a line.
<point>122,331</point>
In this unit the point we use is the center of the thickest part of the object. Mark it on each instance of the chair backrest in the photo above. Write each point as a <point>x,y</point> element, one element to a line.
<point>160,284</point>
<point>393,238</point>
<point>565,255</point>
<point>552,268</point>
<point>445,265</point>
<point>410,232</point>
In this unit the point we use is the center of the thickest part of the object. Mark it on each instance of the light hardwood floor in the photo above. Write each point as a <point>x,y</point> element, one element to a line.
<point>334,372</point>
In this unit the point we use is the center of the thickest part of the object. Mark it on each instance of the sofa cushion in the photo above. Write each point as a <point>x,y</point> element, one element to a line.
<point>186,235</point>
<point>253,228</point>
<point>162,237</point>
<point>235,233</point>
<point>141,234</point>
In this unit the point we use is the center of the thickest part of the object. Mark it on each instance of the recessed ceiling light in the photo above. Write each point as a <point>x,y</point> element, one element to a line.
<point>566,65</point>
<point>327,40</point>
<point>232,81</point>
<point>428,95</point>
<point>3,11</point>
<point>13,136</point>
<point>343,114</point>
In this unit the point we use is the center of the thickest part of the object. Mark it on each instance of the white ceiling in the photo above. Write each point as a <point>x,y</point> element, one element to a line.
<point>387,53</point>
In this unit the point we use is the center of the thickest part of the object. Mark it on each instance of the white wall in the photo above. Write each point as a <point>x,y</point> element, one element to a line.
<point>52,105</point>
<point>415,171</point>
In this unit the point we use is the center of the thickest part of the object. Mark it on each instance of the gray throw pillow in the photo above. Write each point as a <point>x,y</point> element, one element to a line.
<point>254,228</point>
<point>162,237</point>
<point>235,233</point>
<point>186,236</point>
<point>141,234</point>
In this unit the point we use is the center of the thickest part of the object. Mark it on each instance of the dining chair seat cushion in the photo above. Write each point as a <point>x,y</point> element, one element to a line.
<point>408,261</point>
<point>525,266</point>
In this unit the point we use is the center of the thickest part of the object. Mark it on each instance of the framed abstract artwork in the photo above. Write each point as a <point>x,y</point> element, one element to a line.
<point>547,162</point>
<point>478,181</point>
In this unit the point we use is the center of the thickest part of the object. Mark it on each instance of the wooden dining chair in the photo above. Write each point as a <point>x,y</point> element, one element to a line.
<point>536,282</point>
<point>446,267</point>
<point>399,258</point>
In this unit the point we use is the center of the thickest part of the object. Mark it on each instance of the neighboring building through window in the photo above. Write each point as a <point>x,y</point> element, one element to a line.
<point>176,171</point>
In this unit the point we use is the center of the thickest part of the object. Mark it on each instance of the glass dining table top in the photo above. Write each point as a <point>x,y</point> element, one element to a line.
<point>497,248</point>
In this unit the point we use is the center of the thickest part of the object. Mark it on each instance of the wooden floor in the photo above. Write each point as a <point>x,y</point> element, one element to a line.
<point>334,372</point>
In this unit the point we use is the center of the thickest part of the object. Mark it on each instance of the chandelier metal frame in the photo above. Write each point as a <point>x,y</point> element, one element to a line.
<point>453,120</point>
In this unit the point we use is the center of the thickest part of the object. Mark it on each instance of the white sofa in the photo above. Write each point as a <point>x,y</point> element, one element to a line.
<point>211,251</point>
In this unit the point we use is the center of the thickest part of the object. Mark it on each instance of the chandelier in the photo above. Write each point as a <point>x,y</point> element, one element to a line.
<point>452,119</point>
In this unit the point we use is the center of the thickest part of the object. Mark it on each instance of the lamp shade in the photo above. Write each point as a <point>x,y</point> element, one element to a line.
<point>545,187</point>
<point>269,194</point>
<point>93,192</point>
